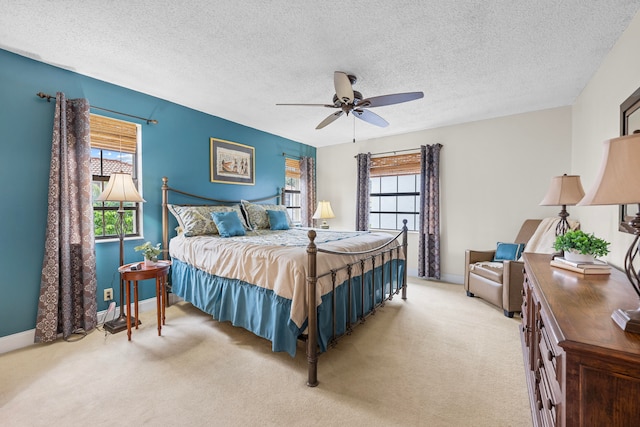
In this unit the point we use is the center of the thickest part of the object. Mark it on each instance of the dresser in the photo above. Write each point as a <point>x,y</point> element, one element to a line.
<point>581,368</point>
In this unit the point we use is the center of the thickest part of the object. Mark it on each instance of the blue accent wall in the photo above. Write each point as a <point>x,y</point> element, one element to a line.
<point>177,147</point>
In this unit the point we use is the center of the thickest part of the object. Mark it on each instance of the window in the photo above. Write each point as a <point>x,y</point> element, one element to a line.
<point>292,189</point>
<point>394,190</point>
<point>114,148</point>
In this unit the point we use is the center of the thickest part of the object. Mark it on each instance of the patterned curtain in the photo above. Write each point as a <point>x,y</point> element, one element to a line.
<point>362,197</point>
<point>307,190</point>
<point>67,302</point>
<point>429,242</point>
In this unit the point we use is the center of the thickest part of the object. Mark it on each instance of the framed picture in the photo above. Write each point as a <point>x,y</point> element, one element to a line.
<point>232,163</point>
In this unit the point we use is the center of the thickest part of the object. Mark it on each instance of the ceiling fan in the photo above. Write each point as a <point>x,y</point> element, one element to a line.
<point>348,101</point>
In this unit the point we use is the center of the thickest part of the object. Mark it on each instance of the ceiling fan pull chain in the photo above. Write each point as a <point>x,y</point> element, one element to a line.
<point>354,129</point>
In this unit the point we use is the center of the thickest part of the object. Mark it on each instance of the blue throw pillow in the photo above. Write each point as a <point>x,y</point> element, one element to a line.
<point>508,251</point>
<point>278,220</point>
<point>228,223</point>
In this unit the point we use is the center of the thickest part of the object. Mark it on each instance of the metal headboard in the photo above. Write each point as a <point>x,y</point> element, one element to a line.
<point>278,198</point>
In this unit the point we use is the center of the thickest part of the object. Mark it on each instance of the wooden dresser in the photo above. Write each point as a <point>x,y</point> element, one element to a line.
<point>581,368</point>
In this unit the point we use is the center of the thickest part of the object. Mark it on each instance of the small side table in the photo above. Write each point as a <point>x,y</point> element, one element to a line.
<point>158,272</point>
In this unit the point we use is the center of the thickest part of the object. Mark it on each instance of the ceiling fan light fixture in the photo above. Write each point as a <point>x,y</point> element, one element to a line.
<point>347,100</point>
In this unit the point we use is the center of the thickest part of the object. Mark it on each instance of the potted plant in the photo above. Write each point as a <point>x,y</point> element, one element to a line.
<point>149,252</point>
<point>579,246</point>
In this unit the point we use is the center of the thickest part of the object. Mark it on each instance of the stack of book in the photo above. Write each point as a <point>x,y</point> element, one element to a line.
<point>596,267</point>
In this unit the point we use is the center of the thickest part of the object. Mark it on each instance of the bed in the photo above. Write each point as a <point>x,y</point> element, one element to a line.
<point>285,285</point>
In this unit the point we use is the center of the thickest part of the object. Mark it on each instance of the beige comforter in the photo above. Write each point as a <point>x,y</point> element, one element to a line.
<point>278,267</point>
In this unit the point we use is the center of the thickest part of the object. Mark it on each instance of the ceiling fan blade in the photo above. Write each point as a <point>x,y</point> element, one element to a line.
<point>312,105</point>
<point>329,119</point>
<point>370,117</point>
<point>344,90</point>
<point>395,98</point>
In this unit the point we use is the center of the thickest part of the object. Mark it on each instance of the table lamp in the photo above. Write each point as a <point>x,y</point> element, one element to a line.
<point>565,190</point>
<point>618,183</point>
<point>120,188</point>
<point>324,212</point>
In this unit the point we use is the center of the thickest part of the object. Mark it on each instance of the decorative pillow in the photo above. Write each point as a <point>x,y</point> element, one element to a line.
<point>257,217</point>
<point>508,251</point>
<point>278,220</point>
<point>197,220</point>
<point>228,223</point>
<point>174,212</point>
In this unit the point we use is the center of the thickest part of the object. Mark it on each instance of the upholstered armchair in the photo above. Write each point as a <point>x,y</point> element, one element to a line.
<point>499,282</point>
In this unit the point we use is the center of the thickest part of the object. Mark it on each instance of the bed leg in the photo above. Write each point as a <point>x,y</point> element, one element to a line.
<point>312,312</point>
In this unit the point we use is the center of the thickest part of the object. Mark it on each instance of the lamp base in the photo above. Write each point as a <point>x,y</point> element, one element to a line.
<point>628,320</point>
<point>120,324</point>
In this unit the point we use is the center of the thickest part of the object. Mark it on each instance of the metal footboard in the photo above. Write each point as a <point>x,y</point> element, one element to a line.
<point>395,249</point>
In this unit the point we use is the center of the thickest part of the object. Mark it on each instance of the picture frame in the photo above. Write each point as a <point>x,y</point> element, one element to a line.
<point>232,163</point>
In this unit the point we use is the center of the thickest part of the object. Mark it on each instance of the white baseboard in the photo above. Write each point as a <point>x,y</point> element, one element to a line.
<point>25,339</point>
<point>449,278</point>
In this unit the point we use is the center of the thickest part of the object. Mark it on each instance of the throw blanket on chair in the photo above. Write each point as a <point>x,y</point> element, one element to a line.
<point>545,235</point>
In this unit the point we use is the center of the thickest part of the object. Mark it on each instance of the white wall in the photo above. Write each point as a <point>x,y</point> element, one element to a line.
<point>595,118</point>
<point>493,175</point>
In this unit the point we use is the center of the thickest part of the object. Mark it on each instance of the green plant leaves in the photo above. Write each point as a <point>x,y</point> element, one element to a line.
<point>581,242</point>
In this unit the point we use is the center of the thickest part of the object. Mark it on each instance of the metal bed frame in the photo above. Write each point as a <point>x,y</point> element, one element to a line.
<point>394,249</point>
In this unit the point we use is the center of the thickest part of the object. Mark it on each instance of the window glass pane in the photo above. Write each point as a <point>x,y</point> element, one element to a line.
<point>374,184</point>
<point>292,199</point>
<point>388,221</point>
<point>388,203</point>
<point>406,183</point>
<point>295,215</point>
<point>393,203</point>
<point>389,184</point>
<point>374,203</point>
<point>374,220</point>
<point>406,204</point>
<point>292,183</point>
<point>98,223</point>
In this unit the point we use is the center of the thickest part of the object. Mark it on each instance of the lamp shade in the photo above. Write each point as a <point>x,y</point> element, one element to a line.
<point>618,181</point>
<point>120,188</point>
<point>324,211</point>
<point>564,190</point>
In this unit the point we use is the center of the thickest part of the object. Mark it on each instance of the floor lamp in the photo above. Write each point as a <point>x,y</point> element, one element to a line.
<point>617,184</point>
<point>120,188</point>
<point>565,190</point>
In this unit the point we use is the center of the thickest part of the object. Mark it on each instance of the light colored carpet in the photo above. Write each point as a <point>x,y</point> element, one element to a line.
<point>437,359</point>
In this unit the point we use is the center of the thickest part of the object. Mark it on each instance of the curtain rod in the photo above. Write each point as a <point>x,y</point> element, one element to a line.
<point>394,152</point>
<point>49,97</point>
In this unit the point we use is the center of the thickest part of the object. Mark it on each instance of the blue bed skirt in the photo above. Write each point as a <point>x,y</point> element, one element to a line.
<point>266,314</point>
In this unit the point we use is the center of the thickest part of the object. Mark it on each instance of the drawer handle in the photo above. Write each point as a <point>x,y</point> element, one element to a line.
<point>540,405</point>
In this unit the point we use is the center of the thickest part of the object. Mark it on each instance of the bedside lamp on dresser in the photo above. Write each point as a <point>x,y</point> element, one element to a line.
<point>618,183</point>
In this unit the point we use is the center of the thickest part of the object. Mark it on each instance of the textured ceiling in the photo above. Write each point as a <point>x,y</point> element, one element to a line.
<point>473,59</point>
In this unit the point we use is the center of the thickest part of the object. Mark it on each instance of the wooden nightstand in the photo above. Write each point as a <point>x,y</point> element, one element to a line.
<point>158,272</point>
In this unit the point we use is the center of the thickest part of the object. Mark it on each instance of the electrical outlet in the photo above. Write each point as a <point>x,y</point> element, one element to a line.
<point>108,294</point>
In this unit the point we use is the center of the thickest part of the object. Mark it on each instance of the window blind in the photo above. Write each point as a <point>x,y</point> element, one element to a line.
<point>113,134</point>
<point>292,168</point>
<point>403,164</point>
